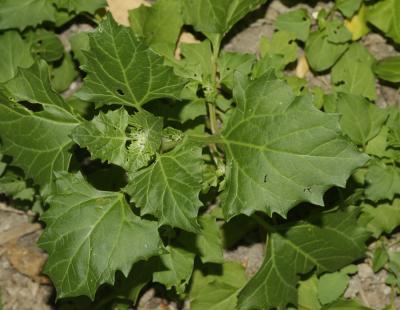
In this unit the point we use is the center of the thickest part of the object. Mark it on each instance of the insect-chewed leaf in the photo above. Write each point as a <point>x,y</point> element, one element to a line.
<point>281,150</point>
<point>108,138</point>
<point>90,234</point>
<point>123,70</point>
<point>169,188</point>
<point>326,243</point>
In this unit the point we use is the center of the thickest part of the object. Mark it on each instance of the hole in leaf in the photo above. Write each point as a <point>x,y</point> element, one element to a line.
<point>120,92</point>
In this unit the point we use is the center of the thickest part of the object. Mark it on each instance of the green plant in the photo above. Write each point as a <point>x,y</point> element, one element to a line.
<point>185,150</point>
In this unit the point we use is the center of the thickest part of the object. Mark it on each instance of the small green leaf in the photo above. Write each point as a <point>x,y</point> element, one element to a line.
<point>83,251</point>
<point>15,187</point>
<point>353,72</point>
<point>46,44</point>
<point>79,6</point>
<point>169,188</point>
<point>160,25</point>
<point>297,22</point>
<point>326,243</point>
<point>361,120</point>
<point>217,16</point>
<point>380,258</point>
<point>388,69</point>
<point>384,182</point>
<point>15,53</point>
<point>79,43</point>
<point>331,286</point>
<point>207,243</point>
<point>282,43</point>
<point>63,75</point>
<point>174,268</point>
<point>217,292</point>
<point>123,70</point>
<point>383,218</point>
<point>385,15</point>
<point>261,140</point>
<point>308,294</point>
<point>348,7</point>
<point>23,13</point>
<point>321,52</point>
<point>229,63</point>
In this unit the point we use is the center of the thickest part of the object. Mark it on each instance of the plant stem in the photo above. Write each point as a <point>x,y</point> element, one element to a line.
<point>213,118</point>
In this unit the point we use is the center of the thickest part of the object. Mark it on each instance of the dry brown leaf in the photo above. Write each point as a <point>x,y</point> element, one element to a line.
<point>302,67</point>
<point>119,9</point>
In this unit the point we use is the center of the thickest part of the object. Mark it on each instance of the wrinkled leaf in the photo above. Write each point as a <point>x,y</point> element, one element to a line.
<point>275,160</point>
<point>122,70</point>
<point>83,251</point>
<point>169,188</point>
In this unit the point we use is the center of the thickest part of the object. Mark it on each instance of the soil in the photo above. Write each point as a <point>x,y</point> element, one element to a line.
<point>23,287</point>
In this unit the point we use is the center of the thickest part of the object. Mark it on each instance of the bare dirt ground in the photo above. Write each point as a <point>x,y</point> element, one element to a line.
<point>23,287</point>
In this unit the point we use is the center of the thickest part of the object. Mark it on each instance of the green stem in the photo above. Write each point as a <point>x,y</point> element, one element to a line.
<point>213,118</point>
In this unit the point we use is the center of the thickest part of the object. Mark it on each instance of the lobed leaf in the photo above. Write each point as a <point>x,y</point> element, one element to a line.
<point>281,150</point>
<point>169,188</point>
<point>121,69</point>
<point>83,251</point>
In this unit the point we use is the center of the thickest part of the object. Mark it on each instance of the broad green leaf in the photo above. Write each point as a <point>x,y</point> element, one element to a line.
<point>281,150</point>
<point>160,25</point>
<point>229,63</point>
<point>283,44</point>
<point>46,44</point>
<point>79,43</point>
<point>90,234</point>
<point>169,188</point>
<point>385,15</point>
<point>38,141</point>
<point>321,53</point>
<point>327,242</point>
<point>393,124</point>
<point>388,69</point>
<point>63,75</point>
<point>308,294</point>
<point>360,119</point>
<point>217,16</point>
<point>219,291</point>
<point>348,7</point>
<point>79,6</point>
<point>297,22</point>
<point>15,53</point>
<point>353,72</point>
<point>384,182</point>
<point>331,286</point>
<point>121,69</point>
<point>107,137</point>
<point>174,268</point>
<point>23,13</point>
